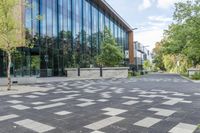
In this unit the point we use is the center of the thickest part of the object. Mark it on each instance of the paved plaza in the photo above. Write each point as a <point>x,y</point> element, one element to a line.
<point>155,103</point>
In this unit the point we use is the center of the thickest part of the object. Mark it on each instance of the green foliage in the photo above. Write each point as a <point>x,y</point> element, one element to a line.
<point>132,73</point>
<point>147,65</point>
<point>180,48</point>
<point>182,37</point>
<point>111,54</point>
<point>10,26</point>
<point>196,76</point>
<point>35,65</point>
<point>174,63</point>
<point>158,57</point>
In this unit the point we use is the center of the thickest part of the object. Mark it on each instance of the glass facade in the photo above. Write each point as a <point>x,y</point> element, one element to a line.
<point>68,34</point>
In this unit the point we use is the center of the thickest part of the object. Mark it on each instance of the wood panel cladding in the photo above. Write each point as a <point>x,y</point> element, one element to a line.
<point>131,47</point>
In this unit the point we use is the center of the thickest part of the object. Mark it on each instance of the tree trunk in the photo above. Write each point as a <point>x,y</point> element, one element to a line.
<point>8,71</point>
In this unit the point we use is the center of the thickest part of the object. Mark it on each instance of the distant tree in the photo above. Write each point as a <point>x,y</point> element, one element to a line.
<point>147,65</point>
<point>158,57</point>
<point>174,63</point>
<point>111,54</point>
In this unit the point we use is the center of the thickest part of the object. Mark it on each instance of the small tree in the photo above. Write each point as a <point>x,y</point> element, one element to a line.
<point>147,65</point>
<point>11,31</point>
<point>111,54</point>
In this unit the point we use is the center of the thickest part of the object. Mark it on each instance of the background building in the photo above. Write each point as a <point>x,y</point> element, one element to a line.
<point>141,53</point>
<point>68,34</point>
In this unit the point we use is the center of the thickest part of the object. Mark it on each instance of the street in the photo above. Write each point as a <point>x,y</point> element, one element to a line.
<point>154,103</point>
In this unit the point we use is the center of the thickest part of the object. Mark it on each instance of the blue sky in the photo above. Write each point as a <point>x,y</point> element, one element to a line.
<point>151,17</point>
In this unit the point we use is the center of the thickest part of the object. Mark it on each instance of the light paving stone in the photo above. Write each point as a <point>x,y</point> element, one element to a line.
<point>32,96</point>
<point>7,117</point>
<point>61,99</point>
<point>130,102</point>
<point>119,90</point>
<point>15,96</point>
<point>147,101</point>
<point>62,113</point>
<point>38,103</point>
<point>186,101</point>
<point>49,106</point>
<point>113,111</point>
<point>133,98</point>
<point>84,86</point>
<point>147,122</point>
<point>181,95</point>
<point>14,101</point>
<point>34,125</point>
<point>153,96</point>
<point>102,100</point>
<point>197,94</point>
<point>20,107</point>
<point>97,132</point>
<point>74,95</point>
<point>39,93</point>
<point>85,104</point>
<point>183,128</point>
<point>67,92</point>
<point>135,91</point>
<point>173,101</point>
<point>104,123</point>
<point>162,112</point>
<point>146,92</point>
<point>106,94</point>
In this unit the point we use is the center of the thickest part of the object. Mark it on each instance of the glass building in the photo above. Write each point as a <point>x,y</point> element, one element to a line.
<point>65,34</point>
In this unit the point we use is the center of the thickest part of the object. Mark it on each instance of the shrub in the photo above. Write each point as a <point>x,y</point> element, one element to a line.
<point>196,76</point>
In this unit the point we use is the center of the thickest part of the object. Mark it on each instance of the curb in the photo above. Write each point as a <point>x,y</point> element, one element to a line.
<point>194,81</point>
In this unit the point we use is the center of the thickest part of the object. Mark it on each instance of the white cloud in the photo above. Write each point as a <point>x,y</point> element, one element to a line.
<point>167,3</point>
<point>149,37</point>
<point>164,4</point>
<point>160,19</point>
<point>146,4</point>
<point>152,31</point>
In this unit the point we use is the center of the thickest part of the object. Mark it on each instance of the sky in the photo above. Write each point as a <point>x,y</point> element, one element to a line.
<point>151,17</point>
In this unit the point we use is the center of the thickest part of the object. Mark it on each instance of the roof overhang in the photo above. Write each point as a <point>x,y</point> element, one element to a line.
<point>110,11</point>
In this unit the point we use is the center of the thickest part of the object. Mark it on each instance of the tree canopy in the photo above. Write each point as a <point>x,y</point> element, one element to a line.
<point>183,36</point>
<point>11,31</point>
<point>180,47</point>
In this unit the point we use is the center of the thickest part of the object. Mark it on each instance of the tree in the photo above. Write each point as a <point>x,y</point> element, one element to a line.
<point>147,65</point>
<point>158,56</point>
<point>111,54</point>
<point>182,37</point>
<point>11,31</point>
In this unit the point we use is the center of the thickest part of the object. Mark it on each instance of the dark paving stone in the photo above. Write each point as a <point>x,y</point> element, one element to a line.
<point>82,116</point>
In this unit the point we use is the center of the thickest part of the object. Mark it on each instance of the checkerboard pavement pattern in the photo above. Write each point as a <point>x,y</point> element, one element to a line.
<point>151,104</point>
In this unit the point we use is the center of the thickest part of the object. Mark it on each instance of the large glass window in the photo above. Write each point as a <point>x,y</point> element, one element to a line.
<point>43,39</point>
<point>94,31</point>
<point>69,34</point>
<point>116,32</point>
<point>87,30</point>
<point>101,28</point>
<point>107,21</point>
<point>77,33</point>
